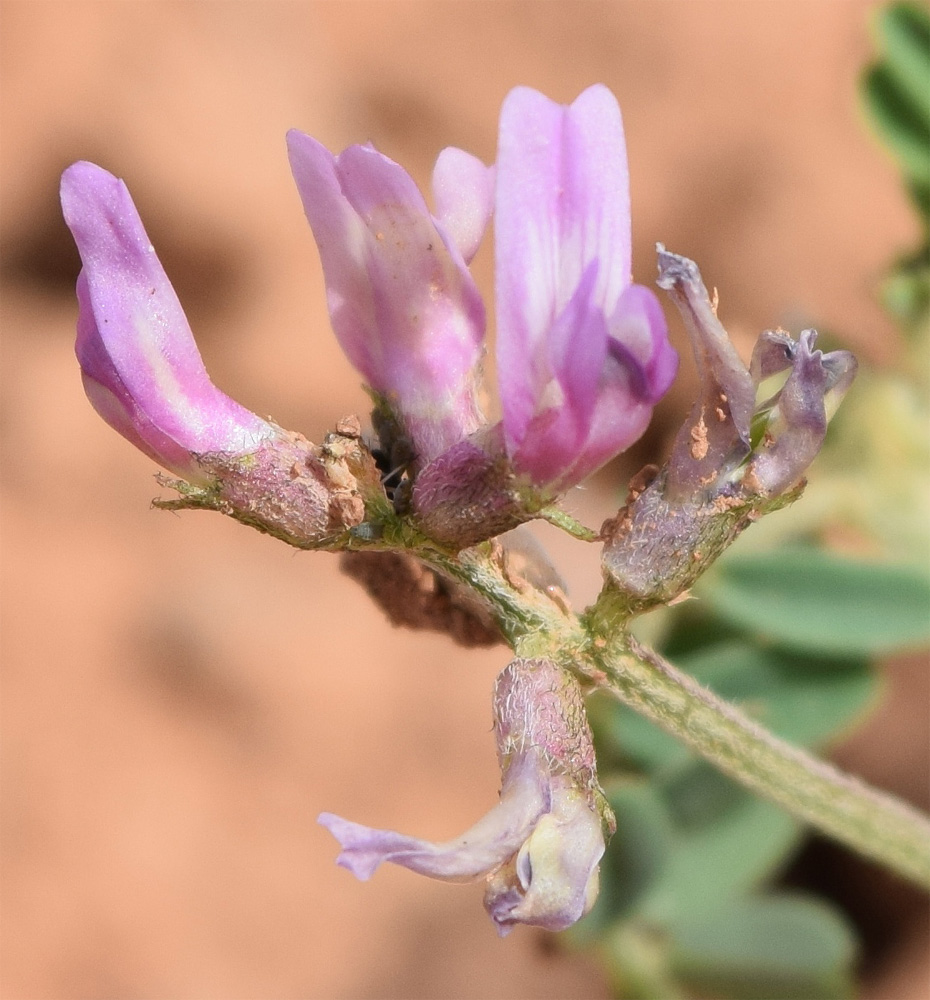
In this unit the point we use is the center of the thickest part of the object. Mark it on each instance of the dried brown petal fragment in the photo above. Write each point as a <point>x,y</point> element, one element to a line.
<point>414,596</point>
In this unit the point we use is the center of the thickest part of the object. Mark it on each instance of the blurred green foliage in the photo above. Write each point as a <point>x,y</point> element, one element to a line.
<point>785,629</point>
<point>896,95</point>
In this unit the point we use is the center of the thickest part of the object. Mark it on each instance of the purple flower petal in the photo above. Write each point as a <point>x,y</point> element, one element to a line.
<point>463,192</point>
<point>112,400</point>
<point>562,215</point>
<point>402,302</point>
<point>798,423</point>
<point>715,438</point>
<point>141,367</point>
<point>553,880</point>
<point>638,325</point>
<point>496,837</point>
<point>539,847</point>
<point>571,440</point>
<point>553,438</point>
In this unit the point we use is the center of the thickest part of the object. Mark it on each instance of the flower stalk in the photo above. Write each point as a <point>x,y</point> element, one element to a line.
<point>424,513</point>
<point>602,652</point>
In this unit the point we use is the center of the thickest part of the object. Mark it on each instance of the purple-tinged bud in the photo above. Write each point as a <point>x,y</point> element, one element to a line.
<point>402,302</point>
<point>582,354</point>
<point>141,368</point>
<point>540,846</point>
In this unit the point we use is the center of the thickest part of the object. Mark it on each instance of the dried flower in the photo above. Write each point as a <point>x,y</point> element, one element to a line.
<point>795,420</point>
<point>540,846</point>
<point>733,458</point>
<point>729,438</point>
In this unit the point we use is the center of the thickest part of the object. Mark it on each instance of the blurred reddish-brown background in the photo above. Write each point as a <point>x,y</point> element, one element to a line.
<point>181,696</point>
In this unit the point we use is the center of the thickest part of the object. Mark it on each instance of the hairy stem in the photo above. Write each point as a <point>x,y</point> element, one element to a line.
<point>870,821</point>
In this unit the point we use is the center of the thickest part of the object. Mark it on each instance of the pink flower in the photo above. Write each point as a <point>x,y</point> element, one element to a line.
<point>141,368</point>
<point>582,354</point>
<point>401,299</point>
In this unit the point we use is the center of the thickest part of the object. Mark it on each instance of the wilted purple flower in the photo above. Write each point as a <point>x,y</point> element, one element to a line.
<point>728,437</point>
<point>402,301</point>
<point>141,368</point>
<point>582,354</point>
<point>540,846</point>
<point>715,437</point>
<point>796,417</point>
<point>733,457</point>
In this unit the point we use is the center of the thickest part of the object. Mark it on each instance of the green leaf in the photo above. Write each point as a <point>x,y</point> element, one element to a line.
<point>692,628</point>
<point>898,120</point>
<point>637,963</point>
<point>805,598</point>
<point>905,32</point>
<point>725,842</point>
<point>896,90</point>
<point>787,946</point>
<point>905,293</point>
<point>920,196</point>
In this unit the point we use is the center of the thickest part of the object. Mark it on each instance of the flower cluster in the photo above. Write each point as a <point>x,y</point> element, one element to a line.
<point>582,353</point>
<point>582,358</point>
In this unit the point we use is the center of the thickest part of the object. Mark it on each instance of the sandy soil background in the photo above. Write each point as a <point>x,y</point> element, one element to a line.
<point>181,696</point>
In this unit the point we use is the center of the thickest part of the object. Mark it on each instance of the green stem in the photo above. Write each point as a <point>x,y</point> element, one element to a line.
<point>872,822</point>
